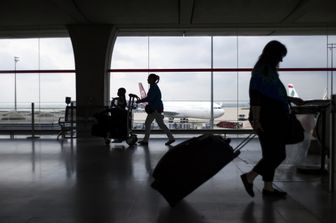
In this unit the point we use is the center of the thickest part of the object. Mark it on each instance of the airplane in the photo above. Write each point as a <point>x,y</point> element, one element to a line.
<point>187,109</point>
<point>291,91</point>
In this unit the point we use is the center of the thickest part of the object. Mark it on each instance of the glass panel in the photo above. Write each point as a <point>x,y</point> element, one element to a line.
<point>130,53</point>
<point>46,91</point>
<point>308,85</point>
<point>25,49</point>
<point>129,81</point>
<point>6,91</point>
<point>56,53</point>
<point>55,87</point>
<point>48,53</point>
<point>180,52</point>
<point>225,52</point>
<point>227,84</point>
<point>303,51</point>
<point>230,89</point>
<point>177,97</point>
<point>331,62</point>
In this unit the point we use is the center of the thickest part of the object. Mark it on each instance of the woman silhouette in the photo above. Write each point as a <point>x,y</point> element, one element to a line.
<point>154,110</point>
<point>269,113</point>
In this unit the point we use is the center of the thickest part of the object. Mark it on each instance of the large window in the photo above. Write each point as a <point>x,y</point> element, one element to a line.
<point>229,88</point>
<point>183,78</point>
<point>46,90</point>
<point>34,55</point>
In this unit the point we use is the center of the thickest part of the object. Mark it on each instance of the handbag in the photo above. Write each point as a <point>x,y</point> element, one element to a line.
<point>295,131</point>
<point>149,109</point>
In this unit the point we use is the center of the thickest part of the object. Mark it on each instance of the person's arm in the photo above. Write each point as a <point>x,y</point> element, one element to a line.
<point>151,94</point>
<point>255,111</point>
<point>141,100</point>
<point>145,99</point>
<point>296,101</point>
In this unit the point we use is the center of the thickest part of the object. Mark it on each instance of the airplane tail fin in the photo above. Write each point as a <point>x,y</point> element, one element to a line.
<point>325,95</point>
<point>143,93</point>
<point>291,91</point>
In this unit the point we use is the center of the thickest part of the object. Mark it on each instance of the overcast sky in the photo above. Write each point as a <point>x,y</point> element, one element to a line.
<point>195,52</point>
<point>162,52</point>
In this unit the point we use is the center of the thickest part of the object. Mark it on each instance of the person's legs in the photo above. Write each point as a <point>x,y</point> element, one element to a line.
<point>273,153</point>
<point>159,119</point>
<point>148,123</point>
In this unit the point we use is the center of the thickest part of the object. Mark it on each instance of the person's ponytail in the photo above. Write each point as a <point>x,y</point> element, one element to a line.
<point>155,77</point>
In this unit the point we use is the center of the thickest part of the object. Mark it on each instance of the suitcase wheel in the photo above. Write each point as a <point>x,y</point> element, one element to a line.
<point>132,140</point>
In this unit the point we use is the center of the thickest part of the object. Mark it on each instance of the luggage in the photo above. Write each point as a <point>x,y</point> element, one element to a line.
<point>116,123</point>
<point>111,123</point>
<point>191,163</point>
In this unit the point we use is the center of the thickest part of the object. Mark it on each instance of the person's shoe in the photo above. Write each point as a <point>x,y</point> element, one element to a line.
<point>143,143</point>
<point>170,141</point>
<point>274,193</point>
<point>248,186</point>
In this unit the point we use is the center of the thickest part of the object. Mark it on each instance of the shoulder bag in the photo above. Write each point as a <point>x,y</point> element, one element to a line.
<point>295,131</point>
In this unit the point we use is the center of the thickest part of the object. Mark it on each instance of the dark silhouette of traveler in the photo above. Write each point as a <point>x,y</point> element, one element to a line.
<point>120,101</point>
<point>154,110</point>
<point>269,112</point>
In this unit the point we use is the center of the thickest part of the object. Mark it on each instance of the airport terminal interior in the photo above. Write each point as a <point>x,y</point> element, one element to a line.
<point>54,170</point>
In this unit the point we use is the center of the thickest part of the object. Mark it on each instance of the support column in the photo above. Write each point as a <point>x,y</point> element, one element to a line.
<point>92,45</point>
<point>332,151</point>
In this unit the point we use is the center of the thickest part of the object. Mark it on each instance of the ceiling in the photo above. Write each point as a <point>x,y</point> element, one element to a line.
<point>39,18</point>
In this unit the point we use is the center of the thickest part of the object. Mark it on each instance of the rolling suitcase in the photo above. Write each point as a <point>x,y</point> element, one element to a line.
<point>191,163</point>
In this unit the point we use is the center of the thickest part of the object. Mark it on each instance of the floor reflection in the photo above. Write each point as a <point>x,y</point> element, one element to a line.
<point>93,194</point>
<point>85,181</point>
<point>182,213</point>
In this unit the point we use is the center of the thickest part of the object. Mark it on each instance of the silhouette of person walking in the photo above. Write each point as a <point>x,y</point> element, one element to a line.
<point>269,113</point>
<point>154,110</point>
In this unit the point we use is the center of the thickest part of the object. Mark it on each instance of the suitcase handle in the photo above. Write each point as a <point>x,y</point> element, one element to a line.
<point>244,142</point>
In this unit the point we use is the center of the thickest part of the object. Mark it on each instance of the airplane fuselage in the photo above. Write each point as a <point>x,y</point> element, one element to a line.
<point>188,109</point>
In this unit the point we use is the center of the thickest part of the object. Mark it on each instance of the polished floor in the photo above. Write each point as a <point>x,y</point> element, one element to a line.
<point>45,180</point>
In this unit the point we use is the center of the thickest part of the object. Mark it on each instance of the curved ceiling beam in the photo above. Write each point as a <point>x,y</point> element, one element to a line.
<point>298,10</point>
<point>80,11</point>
